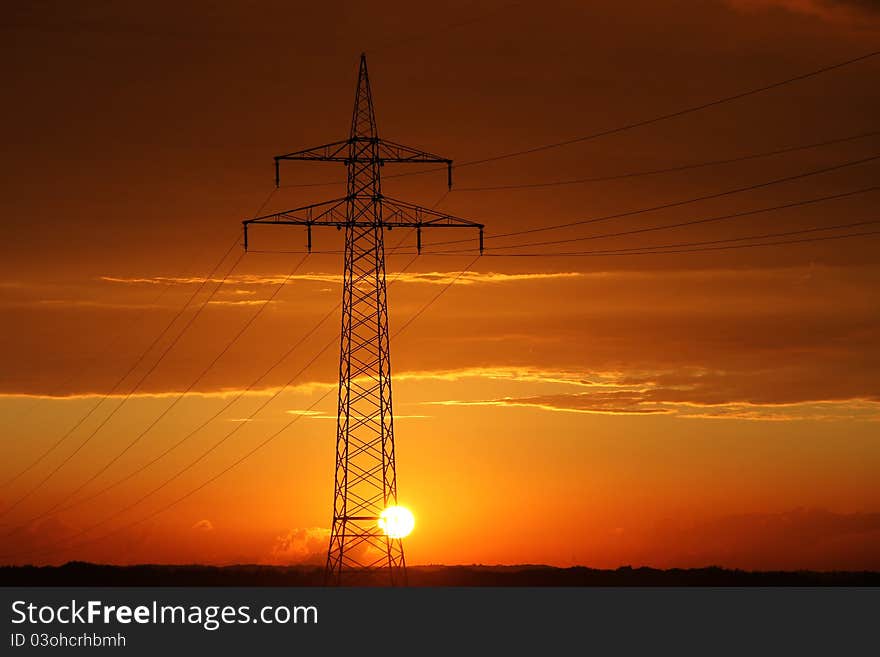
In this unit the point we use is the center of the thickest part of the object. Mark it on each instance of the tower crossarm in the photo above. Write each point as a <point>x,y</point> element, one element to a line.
<point>357,149</point>
<point>400,213</point>
<point>336,151</point>
<point>328,213</point>
<point>396,214</point>
<point>390,151</point>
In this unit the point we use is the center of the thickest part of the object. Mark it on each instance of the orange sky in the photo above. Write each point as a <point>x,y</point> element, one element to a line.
<point>670,410</point>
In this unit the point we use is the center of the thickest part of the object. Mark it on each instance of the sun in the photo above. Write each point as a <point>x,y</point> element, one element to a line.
<point>397,521</point>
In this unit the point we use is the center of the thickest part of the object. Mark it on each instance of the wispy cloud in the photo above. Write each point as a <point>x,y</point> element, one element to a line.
<point>473,277</point>
<point>689,393</point>
<point>429,278</point>
<point>589,404</point>
<point>241,302</point>
<point>547,404</point>
<point>522,374</point>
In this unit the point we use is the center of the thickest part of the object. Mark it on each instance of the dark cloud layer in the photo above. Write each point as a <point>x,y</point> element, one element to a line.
<point>755,336</point>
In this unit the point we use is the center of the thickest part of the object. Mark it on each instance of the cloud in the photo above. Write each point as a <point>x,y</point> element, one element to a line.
<point>241,302</point>
<point>300,546</point>
<point>431,278</point>
<point>716,336</point>
<point>853,12</point>
<point>686,393</point>
<point>471,277</point>
<point>563,403</point>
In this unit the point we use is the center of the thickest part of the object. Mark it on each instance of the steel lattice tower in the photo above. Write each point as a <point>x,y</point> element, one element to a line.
<point>365,470</point>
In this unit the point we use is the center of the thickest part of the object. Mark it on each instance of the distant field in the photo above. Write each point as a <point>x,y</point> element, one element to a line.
<point>86,574</point>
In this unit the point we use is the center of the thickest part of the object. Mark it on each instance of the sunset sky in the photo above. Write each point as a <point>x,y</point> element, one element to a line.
<point>665,409</point>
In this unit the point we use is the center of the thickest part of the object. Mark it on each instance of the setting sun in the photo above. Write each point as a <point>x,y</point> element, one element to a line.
<point>397,522</point>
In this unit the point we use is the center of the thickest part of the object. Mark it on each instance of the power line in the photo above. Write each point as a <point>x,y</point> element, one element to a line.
<point>201,286</point>
<point>245,456</point>
<point>143,378</point>
<point>619,129</point>
<point>674,169</point>
<point>195,382</point>
<point>189,435</point>
<point>253,414</point>
<point>692,222</point>
<point>119,382</point>
<point>656,247</point>
<point>55,509</point>
<point>670,252</point>
<point>659,249</point>
<point>208,451</point>
<point>229,434</point>
<point>108,347</point>
<point>657,119</point>
<point>77,375</point>
<point>138,361</point>
<point>743,238</point>
<point>431,302</point>
<point>675,204</point>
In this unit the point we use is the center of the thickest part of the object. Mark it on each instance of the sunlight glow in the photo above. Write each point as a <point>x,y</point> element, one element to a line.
<point>397,521</point>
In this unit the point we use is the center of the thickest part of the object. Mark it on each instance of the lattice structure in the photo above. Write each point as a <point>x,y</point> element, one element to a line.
<point>365,472</point>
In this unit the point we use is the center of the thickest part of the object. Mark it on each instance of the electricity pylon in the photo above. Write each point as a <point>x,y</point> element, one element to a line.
<point>366,473</point>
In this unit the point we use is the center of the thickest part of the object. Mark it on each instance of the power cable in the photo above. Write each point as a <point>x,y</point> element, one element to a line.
<point>671,252</point>
<point>673,169</point>
<point>208,277</point>
<point>675,204</point>
<point>245,456</point>
<point>55,509</point>
<point>650,121</point>
<point>691,222</point>
<point>119,382</point>
<point>180,396</point>
<point>113,412</point>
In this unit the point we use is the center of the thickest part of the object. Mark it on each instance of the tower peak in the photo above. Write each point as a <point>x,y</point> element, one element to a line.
<point>363,120</point>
